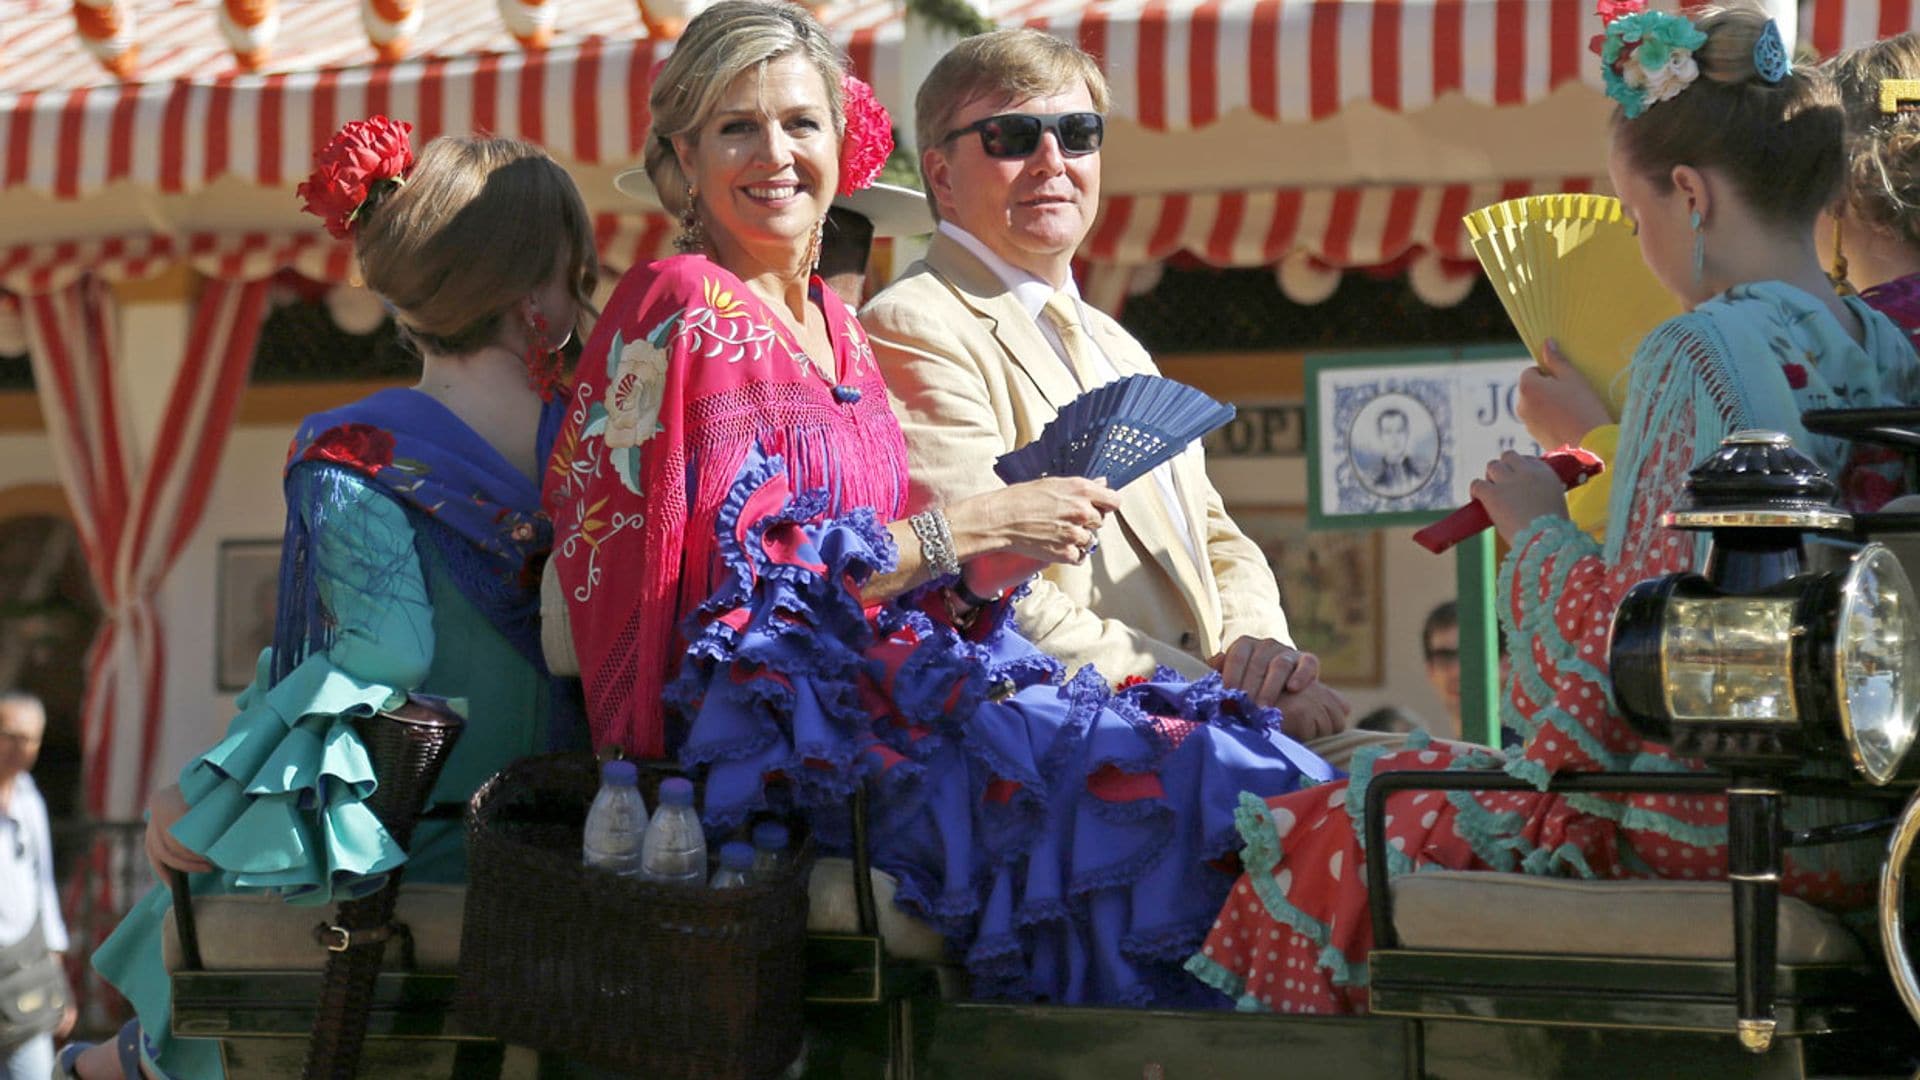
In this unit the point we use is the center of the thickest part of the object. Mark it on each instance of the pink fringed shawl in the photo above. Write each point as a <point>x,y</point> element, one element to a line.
<point>685,371</point>
<point>1898,300</point>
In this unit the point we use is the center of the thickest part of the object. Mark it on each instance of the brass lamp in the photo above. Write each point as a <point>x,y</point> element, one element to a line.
<point>1761,663</point>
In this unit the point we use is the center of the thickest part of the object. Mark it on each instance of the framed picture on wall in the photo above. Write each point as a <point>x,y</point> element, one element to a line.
<point>248,586</point>
<point>1330,584</point>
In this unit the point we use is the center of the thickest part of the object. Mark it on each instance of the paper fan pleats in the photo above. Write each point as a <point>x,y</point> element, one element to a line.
<point>1118,432</point>
<point>1568,267</point>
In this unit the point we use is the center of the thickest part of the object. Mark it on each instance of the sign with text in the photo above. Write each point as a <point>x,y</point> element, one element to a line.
<point>1397,438</point>
<point>1261,431</point>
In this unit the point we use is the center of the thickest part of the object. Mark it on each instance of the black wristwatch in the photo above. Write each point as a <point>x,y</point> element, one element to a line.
<point>967,596</point>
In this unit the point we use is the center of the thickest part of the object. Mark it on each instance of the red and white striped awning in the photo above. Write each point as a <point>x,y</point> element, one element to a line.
<point>1312,234</point>
<point>189,115</point>
<point>1340,226</point>
<point>34,269</point>
<point>1833,25</point>
<point>1318,230</point>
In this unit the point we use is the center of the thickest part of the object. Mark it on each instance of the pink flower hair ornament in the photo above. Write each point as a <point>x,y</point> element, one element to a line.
<point>868,140</point>
<point>363,158</point>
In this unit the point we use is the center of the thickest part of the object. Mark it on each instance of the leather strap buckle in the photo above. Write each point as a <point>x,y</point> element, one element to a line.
<point>340,939</point>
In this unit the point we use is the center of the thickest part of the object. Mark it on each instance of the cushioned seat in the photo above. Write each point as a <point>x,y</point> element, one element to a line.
<point>1673,920</point>
<point>1339,748</point>
<point>833,910</point>
<point>264,933</point>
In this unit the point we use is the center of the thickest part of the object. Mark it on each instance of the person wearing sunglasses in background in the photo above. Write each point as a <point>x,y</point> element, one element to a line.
<point>983,342</point>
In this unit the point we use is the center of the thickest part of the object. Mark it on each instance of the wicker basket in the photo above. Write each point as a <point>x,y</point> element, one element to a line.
<point>659,980</point>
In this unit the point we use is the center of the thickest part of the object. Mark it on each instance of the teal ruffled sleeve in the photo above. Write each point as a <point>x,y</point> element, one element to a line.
<point>279,803</point>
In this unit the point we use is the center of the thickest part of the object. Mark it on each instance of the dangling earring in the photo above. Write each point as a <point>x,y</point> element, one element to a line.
<point>693,236</point>
<point>1838,275</point>
<point>814,245</point>
<point>1699,251</point>
<point>543,359</point>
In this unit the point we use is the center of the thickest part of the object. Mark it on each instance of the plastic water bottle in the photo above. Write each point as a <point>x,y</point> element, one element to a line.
<point>675,849</point>
<point>770,841</point>
<point>617,822</point>
<point>736,866</point>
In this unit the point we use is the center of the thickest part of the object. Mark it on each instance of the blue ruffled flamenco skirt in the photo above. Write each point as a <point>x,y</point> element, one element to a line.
<point>1066,839</point>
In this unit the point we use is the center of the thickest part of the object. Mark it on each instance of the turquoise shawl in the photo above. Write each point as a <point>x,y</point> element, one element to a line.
<point>1756,356</point>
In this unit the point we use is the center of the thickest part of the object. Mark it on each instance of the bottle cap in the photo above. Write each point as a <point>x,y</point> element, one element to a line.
<point>676,791</point>
<point>620,771</point>
<point>770,836</point>
<point>736,856</point>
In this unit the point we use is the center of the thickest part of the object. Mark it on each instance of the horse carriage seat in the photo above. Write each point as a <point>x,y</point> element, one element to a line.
<point>265,933</point>
<point>261,970</point>
<point>1653,957</point>
<point>256,932</point>
<point>1477,911</point>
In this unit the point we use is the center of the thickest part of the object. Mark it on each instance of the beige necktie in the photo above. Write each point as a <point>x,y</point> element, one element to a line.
<point>1064,313</point>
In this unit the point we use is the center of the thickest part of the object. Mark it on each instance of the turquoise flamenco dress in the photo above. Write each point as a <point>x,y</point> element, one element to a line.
<point>278,804</point>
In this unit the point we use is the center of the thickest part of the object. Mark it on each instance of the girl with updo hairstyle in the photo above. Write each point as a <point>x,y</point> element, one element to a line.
<point>1872,241</point>
<point>411,560</point>
<point>1723,156</point>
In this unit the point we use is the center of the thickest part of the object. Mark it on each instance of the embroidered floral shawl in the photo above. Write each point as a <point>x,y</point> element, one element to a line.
<point>480,513</point>
<point>686,374</point>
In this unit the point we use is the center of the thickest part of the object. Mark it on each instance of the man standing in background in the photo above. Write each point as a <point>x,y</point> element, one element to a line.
<point>30,923</point>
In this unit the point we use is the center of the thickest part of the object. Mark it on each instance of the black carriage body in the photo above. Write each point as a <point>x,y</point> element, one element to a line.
<point>1464,1012</point>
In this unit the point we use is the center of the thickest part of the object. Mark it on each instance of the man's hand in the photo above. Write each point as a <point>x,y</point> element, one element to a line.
<point>1314,713</point>
<point>1265,669</point>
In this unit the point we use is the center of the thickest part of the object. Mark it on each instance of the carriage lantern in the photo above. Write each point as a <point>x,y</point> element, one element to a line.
<point>1763,663</point>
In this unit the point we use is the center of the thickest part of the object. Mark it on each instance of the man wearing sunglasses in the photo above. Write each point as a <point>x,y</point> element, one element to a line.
<point>983,342</point>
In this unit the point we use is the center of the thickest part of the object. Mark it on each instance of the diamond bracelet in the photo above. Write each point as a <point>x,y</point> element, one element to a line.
<point>936,542</point>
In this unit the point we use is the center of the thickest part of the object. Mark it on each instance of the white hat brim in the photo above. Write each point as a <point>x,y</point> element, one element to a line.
<point>894,210</point>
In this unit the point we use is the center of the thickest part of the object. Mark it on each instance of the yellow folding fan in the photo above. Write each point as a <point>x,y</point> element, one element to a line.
<point>1567,267</point>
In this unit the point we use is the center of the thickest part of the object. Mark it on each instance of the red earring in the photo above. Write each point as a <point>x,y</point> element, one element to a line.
<point>543,361</point>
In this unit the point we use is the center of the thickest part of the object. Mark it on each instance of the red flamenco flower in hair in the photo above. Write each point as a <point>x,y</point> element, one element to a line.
<point>361,155</point>
<point>869,139</point>
<point>361,447</point>
<point>1609,10</point>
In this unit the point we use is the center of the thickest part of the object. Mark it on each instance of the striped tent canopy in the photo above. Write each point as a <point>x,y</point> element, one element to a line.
<point>186,115</point>
<point>1174,65</point>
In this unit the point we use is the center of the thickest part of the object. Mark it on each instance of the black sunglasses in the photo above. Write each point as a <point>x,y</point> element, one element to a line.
<point>1015,135</point>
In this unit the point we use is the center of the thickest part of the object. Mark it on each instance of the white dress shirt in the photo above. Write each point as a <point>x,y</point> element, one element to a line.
<point>27,887</point>
<point>1033,294</point>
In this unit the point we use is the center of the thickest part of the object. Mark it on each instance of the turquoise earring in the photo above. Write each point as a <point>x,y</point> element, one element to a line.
<point>1699,250</point>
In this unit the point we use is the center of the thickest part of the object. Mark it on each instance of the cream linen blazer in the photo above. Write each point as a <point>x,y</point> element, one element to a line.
<point>972,377</point>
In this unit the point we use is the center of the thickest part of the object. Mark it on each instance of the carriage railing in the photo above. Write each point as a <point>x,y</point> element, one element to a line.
<point>1754,901</point>
<point>103,872</point>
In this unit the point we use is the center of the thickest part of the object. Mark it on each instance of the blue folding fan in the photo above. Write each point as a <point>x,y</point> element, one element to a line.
<point>1120,432</point>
